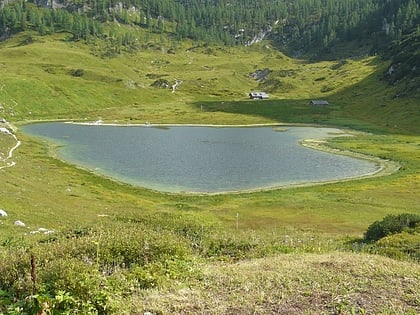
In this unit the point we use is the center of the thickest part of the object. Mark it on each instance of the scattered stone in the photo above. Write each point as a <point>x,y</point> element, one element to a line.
<point>19,223</point>
<point>5,131</point>
<point>87,260</point>
<point>3,213</point>
<point>42,230</point>
<point>131,84</point>
<point>176,85</point>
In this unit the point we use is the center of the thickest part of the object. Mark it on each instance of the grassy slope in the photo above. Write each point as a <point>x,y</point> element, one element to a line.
<point>295,284</point>
<point>36,84</point>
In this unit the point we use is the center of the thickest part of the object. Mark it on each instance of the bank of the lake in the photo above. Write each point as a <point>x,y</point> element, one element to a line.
<point>212,157</point>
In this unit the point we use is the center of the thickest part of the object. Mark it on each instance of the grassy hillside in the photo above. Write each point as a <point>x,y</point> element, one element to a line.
<point>297,250</point>
<point>40,81</point>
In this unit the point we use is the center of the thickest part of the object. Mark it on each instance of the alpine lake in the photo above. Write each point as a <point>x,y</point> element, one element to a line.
<point>202,159</point>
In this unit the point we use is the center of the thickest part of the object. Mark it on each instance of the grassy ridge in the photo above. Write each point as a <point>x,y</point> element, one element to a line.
<point>203,243</point>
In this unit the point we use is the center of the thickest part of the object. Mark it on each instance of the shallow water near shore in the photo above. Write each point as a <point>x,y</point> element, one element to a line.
<point>202,159</point>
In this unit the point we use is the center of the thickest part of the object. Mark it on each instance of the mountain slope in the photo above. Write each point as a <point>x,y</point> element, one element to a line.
<point>49,77</point>
<point>405,63</point>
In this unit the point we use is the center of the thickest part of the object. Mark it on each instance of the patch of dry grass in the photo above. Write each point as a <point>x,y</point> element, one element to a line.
<point>334,283</point>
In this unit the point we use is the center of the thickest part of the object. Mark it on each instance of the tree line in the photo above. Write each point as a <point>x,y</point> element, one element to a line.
<point>299,24</point>
<point>21,16</point>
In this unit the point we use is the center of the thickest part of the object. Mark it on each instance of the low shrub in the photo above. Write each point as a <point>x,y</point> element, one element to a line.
<point>77,72</point>
<point>161,83</point>
<point>230,248</point>
<point>327,88</point>
<point>400,246</point>
<point>391,224</point>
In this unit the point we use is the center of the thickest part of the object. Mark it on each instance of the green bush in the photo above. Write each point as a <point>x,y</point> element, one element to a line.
<point>400,246</point>
<point>77,72</point>
<point>391,224</point>
<point>86,270</point>
<point>14,271</point>
<point>231,248</point>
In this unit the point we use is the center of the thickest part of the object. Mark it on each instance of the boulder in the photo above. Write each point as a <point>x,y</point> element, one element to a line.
<point>19,223</point>
<point>5,131</point>
<point>3,213</point>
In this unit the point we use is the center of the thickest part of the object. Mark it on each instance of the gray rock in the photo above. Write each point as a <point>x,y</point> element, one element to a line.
<point>19,223</point>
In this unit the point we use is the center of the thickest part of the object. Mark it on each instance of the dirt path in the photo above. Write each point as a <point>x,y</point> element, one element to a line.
<point>9,156</point>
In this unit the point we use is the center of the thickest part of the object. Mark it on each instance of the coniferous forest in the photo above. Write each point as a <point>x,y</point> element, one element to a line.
<point>299,25</point>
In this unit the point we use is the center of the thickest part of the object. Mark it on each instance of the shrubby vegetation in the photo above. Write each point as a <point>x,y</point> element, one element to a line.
<point>77,72</point>
<point>88,269</point>
<point>399,246</point>
<point>396,236</point>
<point>92,270</point>
<point>392,224</point>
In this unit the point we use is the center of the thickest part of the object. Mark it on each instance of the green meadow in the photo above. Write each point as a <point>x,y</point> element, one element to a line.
<point>117,249</point>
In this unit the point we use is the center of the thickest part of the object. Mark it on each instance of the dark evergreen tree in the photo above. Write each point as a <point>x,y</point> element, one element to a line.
<point>298,24</point>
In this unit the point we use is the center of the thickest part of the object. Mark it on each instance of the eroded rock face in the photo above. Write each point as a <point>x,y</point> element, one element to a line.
<point>260,75</point>
<point>54,4</point>
<point>161,83</point>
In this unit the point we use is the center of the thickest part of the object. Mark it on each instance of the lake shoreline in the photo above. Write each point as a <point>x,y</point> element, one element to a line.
<point>385,167</point>
<point>168,125</point>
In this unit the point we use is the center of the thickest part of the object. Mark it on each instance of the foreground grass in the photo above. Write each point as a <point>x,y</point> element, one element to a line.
<point>169,262</point>
<point>335,283</point>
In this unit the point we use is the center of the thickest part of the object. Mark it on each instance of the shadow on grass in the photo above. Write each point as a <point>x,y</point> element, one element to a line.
<point>290,111</point>
<point>369,105</point>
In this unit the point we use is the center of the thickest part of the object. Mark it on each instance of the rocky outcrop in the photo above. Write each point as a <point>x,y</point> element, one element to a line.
<point>260,75</point>
<point>53,4</point>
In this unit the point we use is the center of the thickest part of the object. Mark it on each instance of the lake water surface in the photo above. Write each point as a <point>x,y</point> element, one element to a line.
<point>201,159</point>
